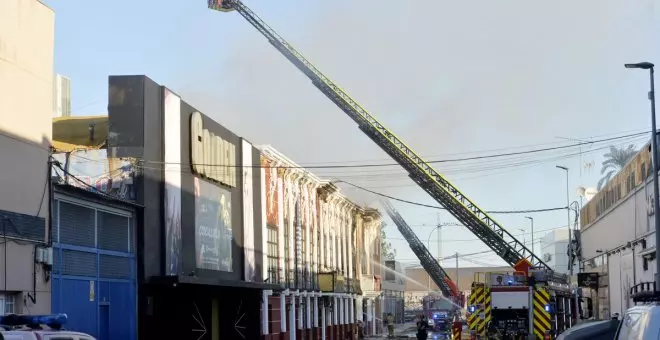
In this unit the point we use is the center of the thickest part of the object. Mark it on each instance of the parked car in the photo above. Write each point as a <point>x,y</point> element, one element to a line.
<point>38,327</point>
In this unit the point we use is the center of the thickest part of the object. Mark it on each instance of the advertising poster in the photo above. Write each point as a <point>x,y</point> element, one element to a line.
<point>172,160</point>
<point>248,213</point>
<point>213,228</point>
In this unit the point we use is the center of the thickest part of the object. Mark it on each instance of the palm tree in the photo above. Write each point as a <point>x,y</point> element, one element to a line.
<point>614,161</point>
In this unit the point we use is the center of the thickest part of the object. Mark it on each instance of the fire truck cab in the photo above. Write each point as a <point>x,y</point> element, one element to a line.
<point>514,305</point>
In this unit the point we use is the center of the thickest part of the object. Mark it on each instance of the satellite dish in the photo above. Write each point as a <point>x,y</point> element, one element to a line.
<point>589,193</point>
<point>581,191</point>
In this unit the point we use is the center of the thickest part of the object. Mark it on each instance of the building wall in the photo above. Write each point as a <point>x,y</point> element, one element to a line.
<point>618,236</point>
<point>554,247</point>
<point>26,76</point>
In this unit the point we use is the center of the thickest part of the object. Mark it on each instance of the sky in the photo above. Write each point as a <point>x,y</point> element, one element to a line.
<point>452,79</point>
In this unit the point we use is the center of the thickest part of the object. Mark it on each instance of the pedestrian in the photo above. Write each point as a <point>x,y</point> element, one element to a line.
<point>422,328</point>
<point>390,325</point>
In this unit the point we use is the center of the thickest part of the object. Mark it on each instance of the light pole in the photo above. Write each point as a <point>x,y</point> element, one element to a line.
<point>654,151</point>
<point>570,240</point>
<point>523,236</point>
<point>531,219</point>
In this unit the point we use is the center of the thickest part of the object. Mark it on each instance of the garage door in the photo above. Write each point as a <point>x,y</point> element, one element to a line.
<point>94,267</point>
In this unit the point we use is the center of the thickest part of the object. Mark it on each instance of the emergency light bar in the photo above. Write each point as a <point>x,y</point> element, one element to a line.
<point>54,321</point>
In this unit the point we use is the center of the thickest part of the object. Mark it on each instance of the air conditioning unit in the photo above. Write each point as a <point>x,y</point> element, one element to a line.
<point>547,257</point>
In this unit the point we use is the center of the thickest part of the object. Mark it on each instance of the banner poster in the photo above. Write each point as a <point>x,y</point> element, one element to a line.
<point>213,228</point>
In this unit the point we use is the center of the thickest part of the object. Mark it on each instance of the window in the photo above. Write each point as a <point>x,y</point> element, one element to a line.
<point>273,265</point>
<point>7,304</point>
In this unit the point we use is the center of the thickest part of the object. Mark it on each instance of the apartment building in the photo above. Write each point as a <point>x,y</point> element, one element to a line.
<point>322,249</point>
<point>26,78</point>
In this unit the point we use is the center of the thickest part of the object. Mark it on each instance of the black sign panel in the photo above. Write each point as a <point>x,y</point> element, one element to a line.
<point>588,280</point>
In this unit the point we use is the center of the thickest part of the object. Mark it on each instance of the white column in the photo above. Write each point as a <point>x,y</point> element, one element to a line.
<point>335,311</point>
<point>350,242</point>
<point>308,307</point>
<point>280,228</point>
<point>300,311</point>
<point>316,311</point>
<point>264,311</point>
<point>323,224</point>
<point>291,208</point>
<point>307,226</point>
<point>370,316</point>
<point>340,300</point>
<point>347,312</point>
<point>346,230</point>
<point>373,317</point>
<point>292,316</point>
<point>314,225</point>
<point>283,310</point>
<point>323,318</point>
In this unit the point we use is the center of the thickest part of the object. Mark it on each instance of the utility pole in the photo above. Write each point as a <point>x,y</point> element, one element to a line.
<point>531,219</point>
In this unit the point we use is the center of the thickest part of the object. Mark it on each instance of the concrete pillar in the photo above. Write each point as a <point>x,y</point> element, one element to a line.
<point>300,311</point>
<point>283,310</point>
<point>316,310</point>
<point>264,311</point>
<point>349,217</point>
<point>323,321</point>
<point>292,318</point>
<point>342,312</point>
<point>308,307</point>
<point>280,229</point>
<point>335,311</point>
<point>373,317</point>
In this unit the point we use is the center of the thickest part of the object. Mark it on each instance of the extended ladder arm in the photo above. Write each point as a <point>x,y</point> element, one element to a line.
<point>432,267</point>
<point>474,218</point>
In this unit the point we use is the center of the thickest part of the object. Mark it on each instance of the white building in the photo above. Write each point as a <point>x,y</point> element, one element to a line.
<point>322,248</point>
<point>61,96</point>
<point>618,235</point>
<point>26,79</point>
<point>554,250</point>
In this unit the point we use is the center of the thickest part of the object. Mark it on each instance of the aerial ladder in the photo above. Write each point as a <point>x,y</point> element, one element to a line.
<point>435,271</point>
<point>475,219</point>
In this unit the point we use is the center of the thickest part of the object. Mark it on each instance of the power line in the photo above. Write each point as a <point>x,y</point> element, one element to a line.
<point>449,160</point>
<point>582,139</point>
<point>441,208</point>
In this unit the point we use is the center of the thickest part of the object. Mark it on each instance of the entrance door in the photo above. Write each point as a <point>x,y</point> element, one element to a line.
<point>104,322</point>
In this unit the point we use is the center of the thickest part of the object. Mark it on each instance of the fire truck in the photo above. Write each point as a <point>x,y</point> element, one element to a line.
<point>539,277</point>
<point>519,305</point>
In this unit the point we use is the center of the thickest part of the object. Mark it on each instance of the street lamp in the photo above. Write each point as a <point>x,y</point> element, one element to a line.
<point>654,151</point>
<point>531,219</point>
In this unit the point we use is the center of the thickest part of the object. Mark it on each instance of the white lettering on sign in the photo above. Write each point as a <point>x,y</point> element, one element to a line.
<point>212,156</point>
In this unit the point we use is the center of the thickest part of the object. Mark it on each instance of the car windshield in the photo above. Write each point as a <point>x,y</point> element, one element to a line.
<point>442,304</point>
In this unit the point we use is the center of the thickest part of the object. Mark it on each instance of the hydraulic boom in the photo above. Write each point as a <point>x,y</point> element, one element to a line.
<point>448,196</point>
